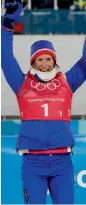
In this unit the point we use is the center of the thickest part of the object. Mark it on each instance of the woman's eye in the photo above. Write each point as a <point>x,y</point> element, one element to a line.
<point>48,59</point>
<point>40,59</point>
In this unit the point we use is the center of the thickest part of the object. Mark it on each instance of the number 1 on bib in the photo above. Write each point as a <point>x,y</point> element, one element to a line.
<point>45,106</point>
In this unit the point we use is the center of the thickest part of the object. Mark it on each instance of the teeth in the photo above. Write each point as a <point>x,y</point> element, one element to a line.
<point>44,70</point>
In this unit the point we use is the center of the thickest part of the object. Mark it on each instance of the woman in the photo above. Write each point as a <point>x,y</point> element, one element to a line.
<point>44,97</point>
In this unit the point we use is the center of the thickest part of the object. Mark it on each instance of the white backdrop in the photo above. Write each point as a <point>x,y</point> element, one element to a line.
<point>68,49</point>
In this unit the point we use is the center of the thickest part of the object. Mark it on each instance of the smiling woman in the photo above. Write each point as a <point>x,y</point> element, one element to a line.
<point>44,63</point>
<point>43,59</point>
<point>44,97</point>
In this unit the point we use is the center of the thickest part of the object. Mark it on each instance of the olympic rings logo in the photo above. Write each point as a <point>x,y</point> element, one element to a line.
<point>53,85</point>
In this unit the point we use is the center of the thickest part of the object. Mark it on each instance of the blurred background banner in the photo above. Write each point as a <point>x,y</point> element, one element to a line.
<point>51,16</point>
<point>49,21</point>
<point>63,22</point>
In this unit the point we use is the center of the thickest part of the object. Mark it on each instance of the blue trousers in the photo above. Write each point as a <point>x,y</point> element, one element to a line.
<point>41,173</point>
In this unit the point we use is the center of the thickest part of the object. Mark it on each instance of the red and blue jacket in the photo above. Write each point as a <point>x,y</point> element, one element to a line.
<point>40,134</point>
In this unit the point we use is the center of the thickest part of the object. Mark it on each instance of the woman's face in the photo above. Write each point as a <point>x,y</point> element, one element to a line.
<point>44,63</point>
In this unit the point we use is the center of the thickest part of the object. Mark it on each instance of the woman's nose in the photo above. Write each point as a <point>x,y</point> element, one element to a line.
<point>44,63</point>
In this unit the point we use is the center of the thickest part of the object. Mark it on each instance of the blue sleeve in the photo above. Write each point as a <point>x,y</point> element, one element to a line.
<point>77,74</point>
<point>84,52</point>
<point>11,69</point>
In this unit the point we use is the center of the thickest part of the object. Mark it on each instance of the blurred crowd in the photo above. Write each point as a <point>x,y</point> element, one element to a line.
<point>53,4</point>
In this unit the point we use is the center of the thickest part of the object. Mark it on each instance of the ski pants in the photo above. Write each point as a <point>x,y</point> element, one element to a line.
<point>41,173</point>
